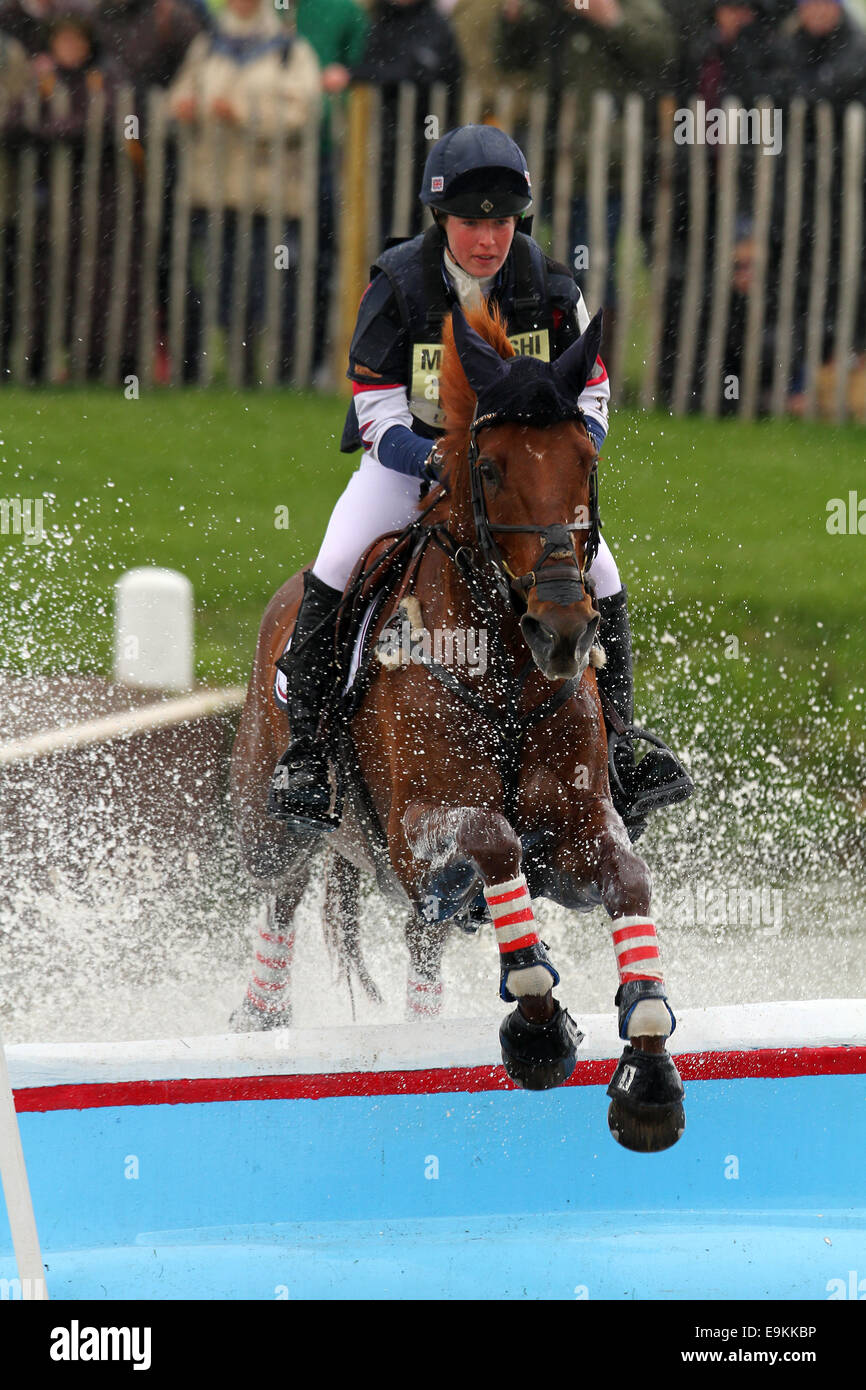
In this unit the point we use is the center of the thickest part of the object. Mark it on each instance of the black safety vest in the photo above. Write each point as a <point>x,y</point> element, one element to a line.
<point>530,287</point>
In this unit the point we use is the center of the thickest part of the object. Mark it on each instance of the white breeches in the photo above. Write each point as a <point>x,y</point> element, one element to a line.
<point>378,499</point>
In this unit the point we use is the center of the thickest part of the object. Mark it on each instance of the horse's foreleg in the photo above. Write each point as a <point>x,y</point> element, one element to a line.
<point>646,1091</point>
<point>538,1039</point>
<point>441,834</point>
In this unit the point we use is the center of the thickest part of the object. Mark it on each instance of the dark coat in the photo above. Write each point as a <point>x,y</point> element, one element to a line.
<point>831,68</point>
<point>409,43</point>
<point>148,39</point>
<point>31,32</point>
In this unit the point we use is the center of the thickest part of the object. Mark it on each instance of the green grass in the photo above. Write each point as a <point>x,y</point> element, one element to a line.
<point>719,528</point>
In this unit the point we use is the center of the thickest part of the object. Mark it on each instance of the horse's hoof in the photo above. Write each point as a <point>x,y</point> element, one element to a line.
<point>539,1056</point>
<point>648,1133</point>
<point>646,1112</point>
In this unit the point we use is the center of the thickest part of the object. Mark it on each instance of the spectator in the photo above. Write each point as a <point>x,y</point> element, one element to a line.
<point>738,57</point>
<point>72,65</point>
<point>823,58</point>
<point>476,24</point>
<point>731,54</point>
<point>29,22</point>
<point>14,68</point>
<point>742,278</point>
<point>14,77</point>
<point>148,39</point>
<point>617,46</point>
<point>409,41</point>
<point>251,67</point>
<point>337,31</point>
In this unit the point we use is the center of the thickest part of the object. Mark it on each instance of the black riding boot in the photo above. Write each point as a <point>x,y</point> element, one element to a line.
<point>300,791</point>
<point>659,779</point>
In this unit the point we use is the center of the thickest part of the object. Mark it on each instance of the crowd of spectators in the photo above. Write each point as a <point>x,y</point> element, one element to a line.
<point>226,63</point>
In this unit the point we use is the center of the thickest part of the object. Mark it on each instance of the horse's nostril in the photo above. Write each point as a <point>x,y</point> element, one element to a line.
<point>536,633</point>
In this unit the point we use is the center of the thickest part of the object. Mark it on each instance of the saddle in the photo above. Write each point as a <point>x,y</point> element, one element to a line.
<point>379,580</point>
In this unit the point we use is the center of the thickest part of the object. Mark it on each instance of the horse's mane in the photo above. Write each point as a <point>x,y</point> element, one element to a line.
<point>456,397</point>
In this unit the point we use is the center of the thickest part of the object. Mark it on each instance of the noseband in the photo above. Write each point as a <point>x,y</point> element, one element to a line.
<point>562,584</point>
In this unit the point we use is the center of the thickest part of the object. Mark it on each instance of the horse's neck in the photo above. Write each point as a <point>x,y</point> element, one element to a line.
<point>462,605</point>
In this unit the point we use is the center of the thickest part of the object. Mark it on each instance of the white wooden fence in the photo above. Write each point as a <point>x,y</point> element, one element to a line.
<point>679,209</point>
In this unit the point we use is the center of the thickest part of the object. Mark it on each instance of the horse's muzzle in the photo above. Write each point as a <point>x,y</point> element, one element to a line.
<point>560,645</point>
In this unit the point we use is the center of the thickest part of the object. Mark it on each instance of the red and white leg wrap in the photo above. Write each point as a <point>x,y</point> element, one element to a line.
<point>423,998</point>
<point>268,990</point>
<point>514,922</point>
<point>637,958</point>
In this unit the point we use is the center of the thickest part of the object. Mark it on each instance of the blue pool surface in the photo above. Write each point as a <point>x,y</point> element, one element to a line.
<point>499,1194</point>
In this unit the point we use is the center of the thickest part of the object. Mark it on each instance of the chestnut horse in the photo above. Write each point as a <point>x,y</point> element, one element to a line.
<point>469,790</point>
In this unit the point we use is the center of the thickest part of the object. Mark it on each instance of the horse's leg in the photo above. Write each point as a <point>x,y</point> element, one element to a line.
<point>538,1039</point>
<point>266,1004</point>
<point>646,1092</point>
<point>424,991</point>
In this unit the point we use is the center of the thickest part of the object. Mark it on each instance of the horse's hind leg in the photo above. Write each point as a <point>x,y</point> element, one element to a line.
<point>539,1039</point>
<point>266,1004</point>
<point>424,990</point>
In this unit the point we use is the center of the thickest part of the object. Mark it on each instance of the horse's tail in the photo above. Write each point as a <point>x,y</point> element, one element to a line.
<point>341,926</point>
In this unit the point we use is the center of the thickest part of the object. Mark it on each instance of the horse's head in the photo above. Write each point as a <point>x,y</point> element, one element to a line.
<point>532,483</point>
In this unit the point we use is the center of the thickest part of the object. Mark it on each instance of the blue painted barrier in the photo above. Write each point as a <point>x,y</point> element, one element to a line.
<point>453,1194</point>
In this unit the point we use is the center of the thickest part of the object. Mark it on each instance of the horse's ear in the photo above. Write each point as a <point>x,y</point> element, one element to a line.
<point>575,367</point>
<point>481,362</point>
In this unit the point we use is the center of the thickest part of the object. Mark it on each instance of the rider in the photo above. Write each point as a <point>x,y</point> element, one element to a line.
<point>477,186</point>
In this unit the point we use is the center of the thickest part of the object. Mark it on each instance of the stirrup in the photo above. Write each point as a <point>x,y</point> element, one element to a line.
<point>658,780</point>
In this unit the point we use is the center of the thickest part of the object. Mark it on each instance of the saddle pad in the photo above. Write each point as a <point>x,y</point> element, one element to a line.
<point>280,682</point>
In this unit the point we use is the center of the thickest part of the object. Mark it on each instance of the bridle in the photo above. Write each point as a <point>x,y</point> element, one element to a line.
<point>563,584</point>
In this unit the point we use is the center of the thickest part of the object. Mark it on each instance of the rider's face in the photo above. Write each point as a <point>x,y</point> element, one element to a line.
<point>480,245</point>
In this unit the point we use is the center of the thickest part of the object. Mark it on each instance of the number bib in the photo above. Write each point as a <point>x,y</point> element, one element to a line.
<point>427,365</point>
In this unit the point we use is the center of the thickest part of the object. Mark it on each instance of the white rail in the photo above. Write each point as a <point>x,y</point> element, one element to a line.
<point>16,1191</point>
<point>160,715</point>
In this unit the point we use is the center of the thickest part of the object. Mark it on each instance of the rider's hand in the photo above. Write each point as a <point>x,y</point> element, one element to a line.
<point>433,464</point>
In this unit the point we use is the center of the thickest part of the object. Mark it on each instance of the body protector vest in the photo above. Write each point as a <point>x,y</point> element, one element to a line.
<point>399,329</point>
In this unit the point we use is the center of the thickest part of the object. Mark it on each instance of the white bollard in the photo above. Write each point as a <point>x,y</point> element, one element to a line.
<point>153,629</point>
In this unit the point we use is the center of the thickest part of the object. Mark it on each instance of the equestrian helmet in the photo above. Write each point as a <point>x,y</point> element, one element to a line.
<point>477,171</point>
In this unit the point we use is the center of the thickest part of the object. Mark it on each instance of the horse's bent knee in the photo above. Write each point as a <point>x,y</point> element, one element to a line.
<point>440,833</point>
<point>627,887</point>
<point>489,839</point>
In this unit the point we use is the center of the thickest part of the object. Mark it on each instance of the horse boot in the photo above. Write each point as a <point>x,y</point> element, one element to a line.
<point>539,1056</point>
<point>659,778</point>
<point>536,1056</point>
<point>300,792</point>
<point>646,1093</point>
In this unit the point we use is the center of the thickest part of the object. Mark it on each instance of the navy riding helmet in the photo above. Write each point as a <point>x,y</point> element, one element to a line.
<point>477,171</point>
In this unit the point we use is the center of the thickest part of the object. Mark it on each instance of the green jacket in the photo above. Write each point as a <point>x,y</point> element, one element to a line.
<point>337,30</point>
<point>566,51</point>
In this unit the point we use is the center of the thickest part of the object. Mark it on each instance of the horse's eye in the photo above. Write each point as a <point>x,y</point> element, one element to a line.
<point>489,471</point>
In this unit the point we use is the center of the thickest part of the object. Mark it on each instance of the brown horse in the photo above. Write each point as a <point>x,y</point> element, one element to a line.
<point>473,791</point>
